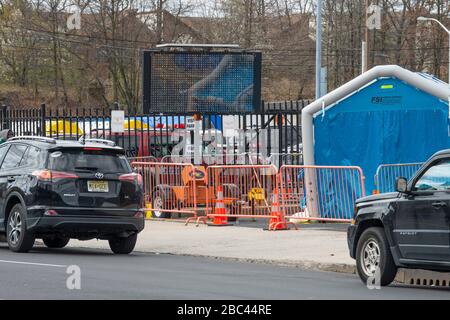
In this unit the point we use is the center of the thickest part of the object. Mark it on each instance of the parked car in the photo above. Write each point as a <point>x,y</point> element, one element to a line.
<point>405,229</point>
<point>56,190</point>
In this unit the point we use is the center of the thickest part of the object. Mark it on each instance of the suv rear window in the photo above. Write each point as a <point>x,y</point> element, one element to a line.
<point>84,160</point>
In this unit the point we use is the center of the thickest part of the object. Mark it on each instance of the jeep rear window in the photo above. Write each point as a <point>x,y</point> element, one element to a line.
<point>88,160</point>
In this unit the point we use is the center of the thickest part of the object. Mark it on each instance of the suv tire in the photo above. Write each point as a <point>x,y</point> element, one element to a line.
<point>121,245</point>
<point>18,237</point>
<point>373,253</point>
<point>56,242</point>
<point>159,203</point>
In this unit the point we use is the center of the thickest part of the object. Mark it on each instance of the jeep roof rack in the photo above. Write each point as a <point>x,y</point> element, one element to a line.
<point>33,138</point>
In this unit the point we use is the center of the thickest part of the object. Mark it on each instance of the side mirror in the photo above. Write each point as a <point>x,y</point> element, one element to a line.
<point>401,185</point>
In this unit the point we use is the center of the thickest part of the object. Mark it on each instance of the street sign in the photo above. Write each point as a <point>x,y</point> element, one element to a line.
<point>117,121</point>
<point>230,126</point>
<point>190,123</point>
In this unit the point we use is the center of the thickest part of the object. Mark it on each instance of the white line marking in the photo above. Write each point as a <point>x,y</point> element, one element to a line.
<point>34,264</point>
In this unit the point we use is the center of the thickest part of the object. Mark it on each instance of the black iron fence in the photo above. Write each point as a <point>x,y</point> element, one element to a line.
<point>272,135</point>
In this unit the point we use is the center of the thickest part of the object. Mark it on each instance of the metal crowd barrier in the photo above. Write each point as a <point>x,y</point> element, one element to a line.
<point>387,174</point>
<point>218,159</point>
<point>227,192</point>
<point>143,159</point>
<point>324,193</point>
<point>173,188</point>
<point>247,190</point>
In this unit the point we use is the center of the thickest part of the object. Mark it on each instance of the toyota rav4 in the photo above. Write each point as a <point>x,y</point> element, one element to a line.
<point>56,190</point>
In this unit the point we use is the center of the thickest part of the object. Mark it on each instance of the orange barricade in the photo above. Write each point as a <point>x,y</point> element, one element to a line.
<point>173,188</point>
<point>324,193</point>
<point>143,159</point>
<point>247,192</point>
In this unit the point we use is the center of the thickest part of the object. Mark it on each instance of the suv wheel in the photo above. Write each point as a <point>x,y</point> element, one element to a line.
<point>157,205</point>
<point>120,245</point>
<point>56,242</point>
<point>374,260</point>
<point>18,237</point>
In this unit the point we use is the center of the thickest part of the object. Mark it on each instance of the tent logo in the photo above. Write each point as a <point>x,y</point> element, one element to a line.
<point>389,100</point>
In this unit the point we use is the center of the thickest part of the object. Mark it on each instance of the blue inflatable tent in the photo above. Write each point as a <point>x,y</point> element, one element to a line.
<point>387,115</point>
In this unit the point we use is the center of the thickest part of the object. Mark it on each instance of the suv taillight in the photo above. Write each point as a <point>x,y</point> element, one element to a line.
<point>48,175</point>
<point>132,177</point>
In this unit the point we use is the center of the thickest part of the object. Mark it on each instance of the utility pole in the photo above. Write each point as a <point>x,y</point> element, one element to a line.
<point>365,44</point>
<point>318,47</point>
<point>364,57</point>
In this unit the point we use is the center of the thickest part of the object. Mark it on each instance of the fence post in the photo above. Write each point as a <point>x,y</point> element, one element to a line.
<point>4,116</point>
<point>43,119</point>
<point>280,137</point>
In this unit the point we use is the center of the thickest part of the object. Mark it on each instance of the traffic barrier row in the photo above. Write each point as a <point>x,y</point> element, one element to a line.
<point>245,158</point>
<point>245,191</point>
<point>223,193</point>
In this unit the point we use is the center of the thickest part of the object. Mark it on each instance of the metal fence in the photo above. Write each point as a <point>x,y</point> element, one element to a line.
<point>275,133</point>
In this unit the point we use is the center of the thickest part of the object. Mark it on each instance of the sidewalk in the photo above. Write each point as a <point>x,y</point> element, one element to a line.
<point>318,247</point>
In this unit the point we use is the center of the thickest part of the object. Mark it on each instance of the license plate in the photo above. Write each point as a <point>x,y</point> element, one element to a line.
<point>98,186</point>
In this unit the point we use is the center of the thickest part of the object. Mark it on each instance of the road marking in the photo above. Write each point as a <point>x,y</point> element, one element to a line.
<point>34,264</point>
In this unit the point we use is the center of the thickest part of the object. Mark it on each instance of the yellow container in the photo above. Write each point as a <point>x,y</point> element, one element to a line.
<point>148,212</point>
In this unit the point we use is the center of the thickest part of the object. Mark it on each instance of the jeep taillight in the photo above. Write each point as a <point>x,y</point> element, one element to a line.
<point>48,175</point>
<point>132,177</point>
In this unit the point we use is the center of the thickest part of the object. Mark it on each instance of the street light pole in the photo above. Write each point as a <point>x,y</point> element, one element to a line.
<point>448,32</point>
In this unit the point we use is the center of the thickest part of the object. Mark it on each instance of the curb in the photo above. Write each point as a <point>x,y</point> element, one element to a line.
<point>304,265</point>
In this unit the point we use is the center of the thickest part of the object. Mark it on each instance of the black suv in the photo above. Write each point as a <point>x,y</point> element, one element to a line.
<point>56,190</point>
<point>409,228</point>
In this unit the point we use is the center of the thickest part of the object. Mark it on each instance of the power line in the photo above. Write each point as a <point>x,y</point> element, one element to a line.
<point>89,37</point>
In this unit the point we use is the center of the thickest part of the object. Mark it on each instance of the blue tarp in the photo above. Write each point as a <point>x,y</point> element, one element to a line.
<point>387,122</point>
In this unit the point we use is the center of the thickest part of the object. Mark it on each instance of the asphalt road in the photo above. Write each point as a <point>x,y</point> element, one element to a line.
<point>41,274</point>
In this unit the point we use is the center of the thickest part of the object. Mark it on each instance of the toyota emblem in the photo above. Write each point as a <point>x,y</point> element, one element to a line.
<point>99,175</point>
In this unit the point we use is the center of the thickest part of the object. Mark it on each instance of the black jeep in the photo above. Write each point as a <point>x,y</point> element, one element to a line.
<point>409,228</point>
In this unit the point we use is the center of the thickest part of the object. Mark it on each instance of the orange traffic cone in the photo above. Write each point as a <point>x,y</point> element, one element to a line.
<point>220,218</point>
<point>277,222</point>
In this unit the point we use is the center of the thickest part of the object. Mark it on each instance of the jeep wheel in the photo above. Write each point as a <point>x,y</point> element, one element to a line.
<point>374,261</point>
<point>159,203</point>
<point>56,242</point>
<point>18,237</point>
<point>121,245</point>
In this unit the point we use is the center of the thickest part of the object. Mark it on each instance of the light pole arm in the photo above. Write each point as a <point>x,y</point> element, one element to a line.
<point>440,23</point>
<point>448,32</point>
